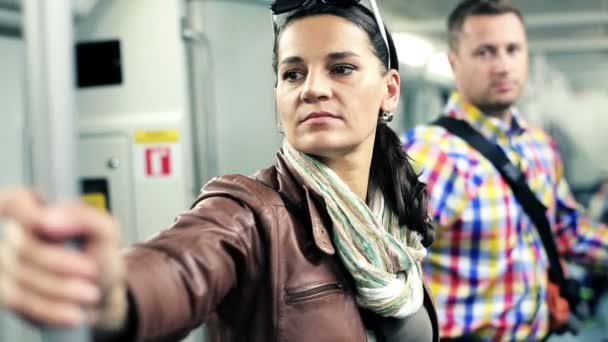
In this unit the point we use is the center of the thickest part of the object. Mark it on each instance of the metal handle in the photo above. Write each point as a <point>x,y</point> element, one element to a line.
<point>51,114</point>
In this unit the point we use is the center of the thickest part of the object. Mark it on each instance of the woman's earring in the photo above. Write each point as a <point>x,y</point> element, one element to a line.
<point>280,126</point>
<point>386,117</point>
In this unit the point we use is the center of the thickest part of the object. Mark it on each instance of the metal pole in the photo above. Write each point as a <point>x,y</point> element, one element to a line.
<point>202,96</point>
<point>51,115</point>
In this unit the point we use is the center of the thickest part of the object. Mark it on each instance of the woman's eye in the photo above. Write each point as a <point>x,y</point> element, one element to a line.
<point>343,69</point>
<point>292,75</point>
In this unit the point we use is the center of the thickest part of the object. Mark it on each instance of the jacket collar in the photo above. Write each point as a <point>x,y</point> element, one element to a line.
<point>291,187</point>
<point>491,128</point>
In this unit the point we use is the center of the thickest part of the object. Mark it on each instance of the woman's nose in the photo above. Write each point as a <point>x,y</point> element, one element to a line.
<point>316,88</point>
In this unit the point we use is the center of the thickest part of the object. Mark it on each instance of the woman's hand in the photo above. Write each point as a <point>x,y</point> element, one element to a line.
<point>42,280</point>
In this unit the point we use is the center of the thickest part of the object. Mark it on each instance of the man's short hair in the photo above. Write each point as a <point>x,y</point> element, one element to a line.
<point>469,8</point>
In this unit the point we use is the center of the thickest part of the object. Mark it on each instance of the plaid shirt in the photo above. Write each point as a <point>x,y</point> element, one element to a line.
<point>487,269</point>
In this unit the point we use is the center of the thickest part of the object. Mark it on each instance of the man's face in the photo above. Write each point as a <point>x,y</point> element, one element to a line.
<point>490,61</point>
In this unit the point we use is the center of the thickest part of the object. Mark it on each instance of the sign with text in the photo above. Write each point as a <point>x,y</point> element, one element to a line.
<point>157,154</point>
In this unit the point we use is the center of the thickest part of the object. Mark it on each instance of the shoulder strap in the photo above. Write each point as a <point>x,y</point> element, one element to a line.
<point>535,210</point>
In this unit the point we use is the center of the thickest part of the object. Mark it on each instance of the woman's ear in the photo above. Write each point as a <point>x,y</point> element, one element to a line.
<point>393,87</point>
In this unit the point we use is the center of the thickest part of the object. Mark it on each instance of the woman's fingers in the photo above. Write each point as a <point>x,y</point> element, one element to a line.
<point>50,257</point>
<point>61,222</point>
<point>75,220</point>
<point>37,291</point>
<point>39,308</point>
<point>21,205</point>
<point>43,280</point>
<point>68,289</point>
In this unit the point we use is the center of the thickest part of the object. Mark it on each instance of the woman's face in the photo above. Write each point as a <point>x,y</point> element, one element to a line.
<point>331,87</point>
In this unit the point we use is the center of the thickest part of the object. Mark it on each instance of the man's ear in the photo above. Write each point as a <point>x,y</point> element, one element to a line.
<point>452,59</point>
<point>393,87</point>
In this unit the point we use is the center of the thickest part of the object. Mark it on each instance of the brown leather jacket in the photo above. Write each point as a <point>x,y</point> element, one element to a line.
<point>252,259</point>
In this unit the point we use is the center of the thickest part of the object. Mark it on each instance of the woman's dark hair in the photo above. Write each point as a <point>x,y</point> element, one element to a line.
<point>391,169</point>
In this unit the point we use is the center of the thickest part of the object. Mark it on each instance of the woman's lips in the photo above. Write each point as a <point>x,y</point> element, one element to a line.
<point>320,117</point>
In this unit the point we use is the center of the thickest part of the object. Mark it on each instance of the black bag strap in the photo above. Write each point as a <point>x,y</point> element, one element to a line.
<point>534,208</point>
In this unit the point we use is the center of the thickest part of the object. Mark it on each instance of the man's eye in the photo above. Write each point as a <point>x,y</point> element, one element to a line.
<point>483,53</point>
<point>513,49</point>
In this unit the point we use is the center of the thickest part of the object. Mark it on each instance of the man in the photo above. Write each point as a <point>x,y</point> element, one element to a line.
<point>487,269</point>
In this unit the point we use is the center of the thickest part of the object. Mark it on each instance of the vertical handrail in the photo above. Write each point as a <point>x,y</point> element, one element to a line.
<point>202,96</point>
<point>51,115</point>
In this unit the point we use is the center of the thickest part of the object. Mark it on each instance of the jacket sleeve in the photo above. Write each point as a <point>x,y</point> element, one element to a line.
<point>177,278</point>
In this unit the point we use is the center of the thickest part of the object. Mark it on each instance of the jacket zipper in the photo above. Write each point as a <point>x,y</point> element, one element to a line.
<point>302,293</point>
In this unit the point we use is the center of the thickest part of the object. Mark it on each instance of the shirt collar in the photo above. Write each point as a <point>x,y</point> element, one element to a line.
<point>491,127</point>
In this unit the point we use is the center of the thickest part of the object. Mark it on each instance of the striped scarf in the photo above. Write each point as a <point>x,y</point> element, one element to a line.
<point>382,257</point>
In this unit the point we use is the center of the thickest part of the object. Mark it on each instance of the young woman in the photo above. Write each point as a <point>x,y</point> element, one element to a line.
<point>325,245</point>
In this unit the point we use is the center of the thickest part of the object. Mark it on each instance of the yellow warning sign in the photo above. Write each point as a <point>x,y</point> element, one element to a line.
<point>158,136</point>
<point>96,199</point>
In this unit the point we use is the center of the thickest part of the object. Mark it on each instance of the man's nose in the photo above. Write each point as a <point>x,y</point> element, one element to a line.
<point>501,62</point>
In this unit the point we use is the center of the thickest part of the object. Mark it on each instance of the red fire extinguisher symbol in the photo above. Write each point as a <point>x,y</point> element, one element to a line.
<point>158,161</point>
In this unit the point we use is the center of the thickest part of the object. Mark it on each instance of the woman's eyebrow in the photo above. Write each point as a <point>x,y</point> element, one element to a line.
<point>292,60</point>
<point>341,55</point>
<point>332,56</point>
